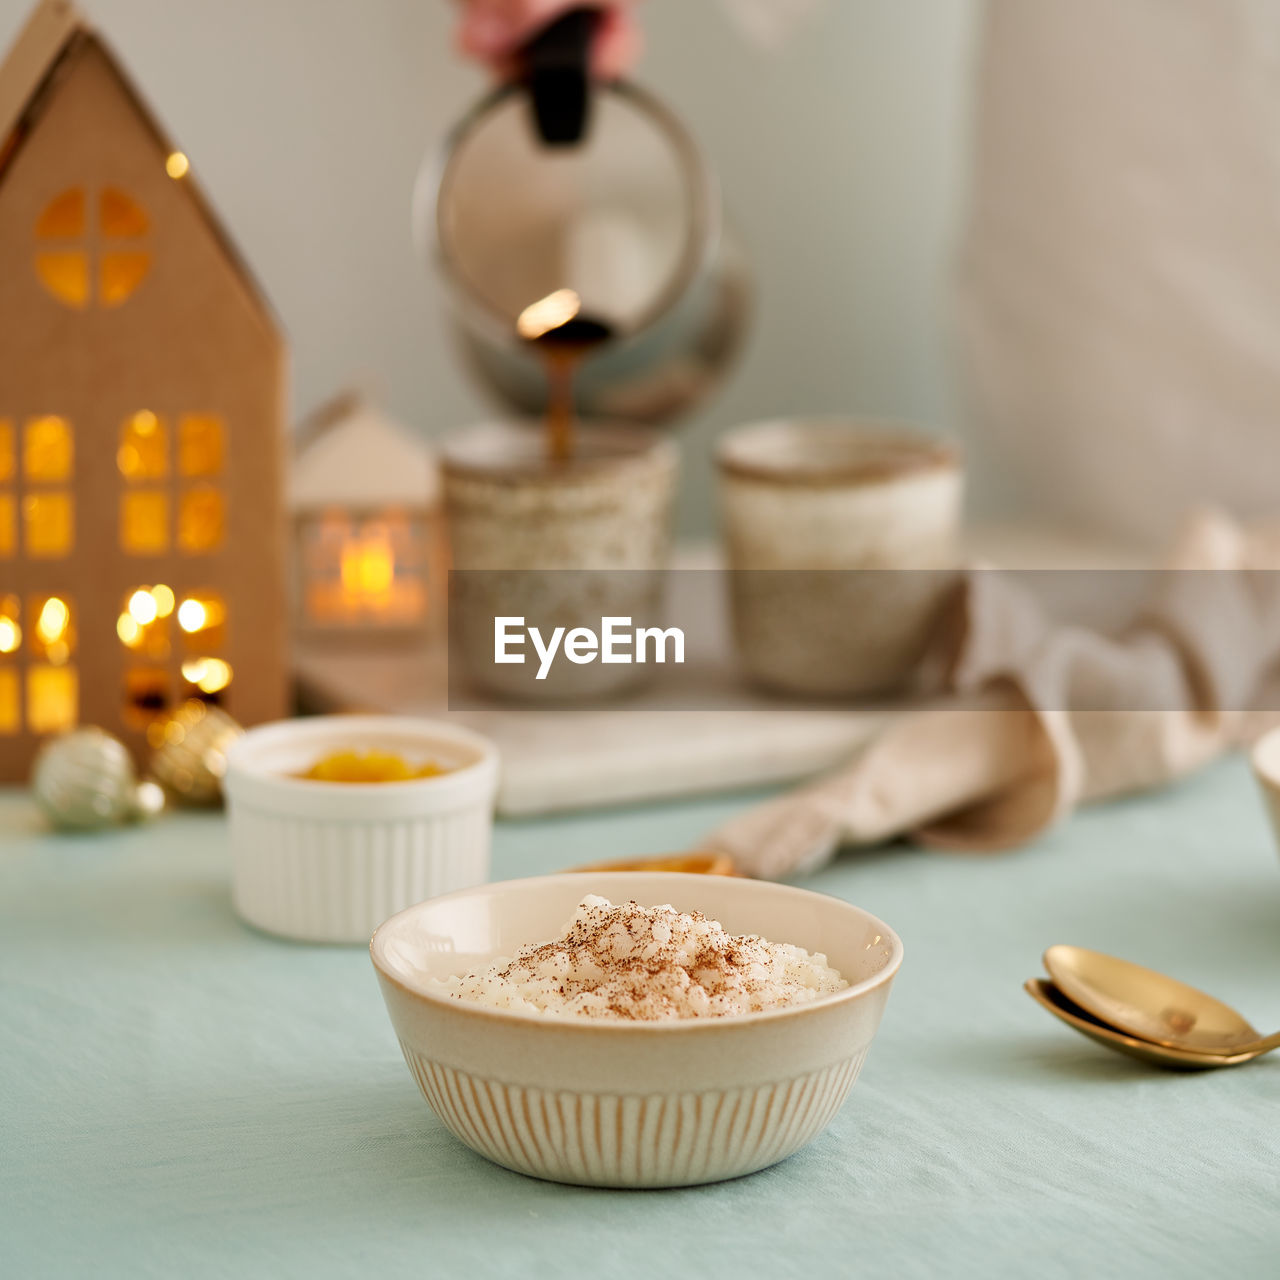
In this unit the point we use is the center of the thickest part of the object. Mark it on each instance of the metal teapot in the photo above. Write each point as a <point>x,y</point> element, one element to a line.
<point>557,186</point>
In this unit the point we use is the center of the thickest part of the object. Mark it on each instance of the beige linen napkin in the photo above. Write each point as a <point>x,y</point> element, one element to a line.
<point>1042,716</point>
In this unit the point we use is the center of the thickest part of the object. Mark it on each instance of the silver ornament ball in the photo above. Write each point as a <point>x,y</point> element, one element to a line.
<point>84,780</point>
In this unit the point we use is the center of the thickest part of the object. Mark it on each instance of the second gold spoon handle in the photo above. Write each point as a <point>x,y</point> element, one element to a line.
<point>1265,1045</point>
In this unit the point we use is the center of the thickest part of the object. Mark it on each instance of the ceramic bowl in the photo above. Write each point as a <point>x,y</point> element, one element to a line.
<point>631,1104</point>
<point>328,861</point>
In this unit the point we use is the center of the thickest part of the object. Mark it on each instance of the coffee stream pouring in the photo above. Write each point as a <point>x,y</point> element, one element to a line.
<point>581,237</point>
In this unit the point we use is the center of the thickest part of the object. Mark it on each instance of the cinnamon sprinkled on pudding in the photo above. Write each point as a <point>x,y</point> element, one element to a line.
<point>650,964</point>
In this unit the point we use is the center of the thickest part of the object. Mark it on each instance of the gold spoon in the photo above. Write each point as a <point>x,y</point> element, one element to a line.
<point>1152,1006</point>
<point>695,863</point>
<point>1049,997</point>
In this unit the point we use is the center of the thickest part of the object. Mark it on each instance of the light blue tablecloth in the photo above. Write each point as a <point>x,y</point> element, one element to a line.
<point>180,1096</point>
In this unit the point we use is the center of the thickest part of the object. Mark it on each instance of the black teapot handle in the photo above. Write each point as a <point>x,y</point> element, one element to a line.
<point>557,73</point>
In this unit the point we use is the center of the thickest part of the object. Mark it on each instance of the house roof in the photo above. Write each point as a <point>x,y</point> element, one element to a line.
<point>32,59</point>
<point>55,35</point>
<point>351,454</point>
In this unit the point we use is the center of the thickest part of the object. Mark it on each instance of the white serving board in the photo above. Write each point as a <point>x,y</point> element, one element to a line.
<point>560,760</point>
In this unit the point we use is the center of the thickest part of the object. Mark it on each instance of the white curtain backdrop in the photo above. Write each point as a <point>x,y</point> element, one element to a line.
<point>1119,283</point>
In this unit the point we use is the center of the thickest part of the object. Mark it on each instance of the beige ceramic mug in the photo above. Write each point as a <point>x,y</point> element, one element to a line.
<point>558,544</point>
<point>813,512</point>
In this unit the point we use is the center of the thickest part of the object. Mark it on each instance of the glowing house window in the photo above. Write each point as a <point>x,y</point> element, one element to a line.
<point>120,217</point>
<point>143,626</point>
<point>65,274</point>
<point>144,447</point>
<point>47,450</point>
<point>48,510</point>
<point>201,520</point>
<point>147,696</point>
<point>53,697</point>
<point>142,457</point>
<point>10,625</point>
<point>143,622</point>
<point>144,522</point>
<point>8,499</point>
<point>207,677</point>
<point>153,512</point>
<point>51,631</point>
<point>10,643</point>
<point>151,620</point>
<point>53,689</point>
<point>64,217</point>
<point>77,252</point>
<point>201,445</point>
<point>202,619</point>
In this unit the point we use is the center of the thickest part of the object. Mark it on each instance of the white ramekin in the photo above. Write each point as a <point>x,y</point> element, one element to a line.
<point>631,1104</point>
<point>329,861</point>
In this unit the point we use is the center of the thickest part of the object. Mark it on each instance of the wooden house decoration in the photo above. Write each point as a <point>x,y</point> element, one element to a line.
<point>142,376</point>
<point>369,543</point>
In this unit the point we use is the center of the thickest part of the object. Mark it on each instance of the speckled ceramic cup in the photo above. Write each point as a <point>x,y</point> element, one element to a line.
<point>557,544</point>
<point>808,509</point>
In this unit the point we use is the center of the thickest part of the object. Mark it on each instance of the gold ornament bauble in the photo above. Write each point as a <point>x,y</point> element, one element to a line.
<point>190,752</point>
<point>84,780</point>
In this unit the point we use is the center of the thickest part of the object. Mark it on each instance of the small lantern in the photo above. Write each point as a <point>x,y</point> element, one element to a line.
<point>369,532</point>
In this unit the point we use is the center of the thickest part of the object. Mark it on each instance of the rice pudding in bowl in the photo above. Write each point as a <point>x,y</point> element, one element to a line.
<point>647,964</point>
<point>630,1101</point>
